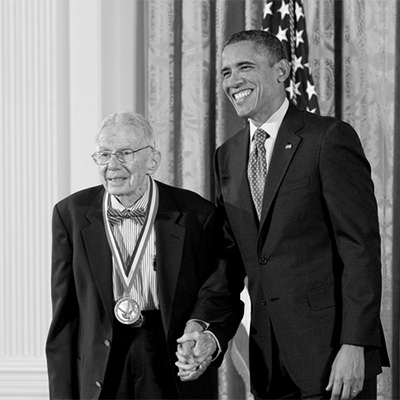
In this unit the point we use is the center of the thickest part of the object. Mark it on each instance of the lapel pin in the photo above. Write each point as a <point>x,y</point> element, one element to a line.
<point>288,146</point>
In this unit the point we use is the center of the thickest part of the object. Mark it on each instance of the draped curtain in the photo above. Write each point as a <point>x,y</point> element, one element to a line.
<point>191,115</point>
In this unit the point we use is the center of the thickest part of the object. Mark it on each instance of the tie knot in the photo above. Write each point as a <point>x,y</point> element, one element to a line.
<point>116,216</point>
<point>260,137</point>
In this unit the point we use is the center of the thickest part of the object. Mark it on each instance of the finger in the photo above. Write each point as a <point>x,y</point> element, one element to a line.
<point>184,363</point>
<point>186,349</point>
<point>188,336</point>
<point>182,359</point>
<point>186,376</point>
<point>355,389</point>
<point>359,384</point>
<point>185,368</point>
<point>336,390</point>
<point>189,376</point>
<point>193,374</point>
<point>346,392</point>
<point>330,383</point>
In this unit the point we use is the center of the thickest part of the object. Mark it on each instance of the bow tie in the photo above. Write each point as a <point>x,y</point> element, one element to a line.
<point>116,216</point>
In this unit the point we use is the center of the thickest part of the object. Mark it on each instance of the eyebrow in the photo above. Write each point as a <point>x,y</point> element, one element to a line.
<point>239,64</point>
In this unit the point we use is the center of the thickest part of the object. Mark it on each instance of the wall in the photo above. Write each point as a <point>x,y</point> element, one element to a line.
<point>63,67</point>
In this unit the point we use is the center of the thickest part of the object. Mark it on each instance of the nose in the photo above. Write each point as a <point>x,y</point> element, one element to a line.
<point>114,163</point>
<point>235,80</point>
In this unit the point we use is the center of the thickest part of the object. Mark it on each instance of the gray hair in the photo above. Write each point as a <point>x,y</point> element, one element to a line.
<point>265,42</point>
<point>132,121</point>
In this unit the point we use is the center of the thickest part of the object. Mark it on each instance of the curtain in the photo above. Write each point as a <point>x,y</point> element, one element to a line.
<point>191,115</point>
<point>368,103</point>
<point>185,102</point>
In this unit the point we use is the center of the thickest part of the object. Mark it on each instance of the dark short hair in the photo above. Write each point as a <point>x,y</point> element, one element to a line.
<point>264,41</point>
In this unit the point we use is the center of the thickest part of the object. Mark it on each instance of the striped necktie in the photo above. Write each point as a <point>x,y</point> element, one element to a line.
<point>257,169</point>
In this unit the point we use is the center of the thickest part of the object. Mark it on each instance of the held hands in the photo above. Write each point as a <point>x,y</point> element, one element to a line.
<point>194,353</point>
<point>347,374</point>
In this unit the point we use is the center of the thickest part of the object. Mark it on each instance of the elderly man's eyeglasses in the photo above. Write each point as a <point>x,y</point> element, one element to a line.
<point>123,156</point>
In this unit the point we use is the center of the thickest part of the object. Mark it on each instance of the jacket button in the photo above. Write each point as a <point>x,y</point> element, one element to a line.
<point>99,384</point>
<point>263,302</point>
<point>262,261</point>
<point>107,343</point>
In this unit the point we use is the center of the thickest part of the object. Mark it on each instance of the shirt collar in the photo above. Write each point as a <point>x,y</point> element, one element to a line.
<point>273,123</point>
<point>140,203</point>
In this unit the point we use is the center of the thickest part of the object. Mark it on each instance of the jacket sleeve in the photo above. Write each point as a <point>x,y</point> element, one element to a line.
<point>349,196</point>
<point>219,301</point>
<point>61,346</point>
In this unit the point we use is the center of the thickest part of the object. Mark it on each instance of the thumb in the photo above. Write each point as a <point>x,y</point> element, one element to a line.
<point>330,383</point>
<point>188,337</point>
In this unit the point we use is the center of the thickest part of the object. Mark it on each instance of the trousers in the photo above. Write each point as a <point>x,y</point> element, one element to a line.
<point>139,365</point>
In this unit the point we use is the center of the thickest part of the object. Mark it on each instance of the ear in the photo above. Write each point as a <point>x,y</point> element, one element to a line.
<point>283,70</point>
<point>153,162</point>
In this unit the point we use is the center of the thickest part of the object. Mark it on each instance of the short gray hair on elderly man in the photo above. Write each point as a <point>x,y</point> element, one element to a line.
<point>130,120</point>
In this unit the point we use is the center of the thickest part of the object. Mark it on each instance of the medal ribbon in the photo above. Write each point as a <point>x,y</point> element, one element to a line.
<point>134,260</point>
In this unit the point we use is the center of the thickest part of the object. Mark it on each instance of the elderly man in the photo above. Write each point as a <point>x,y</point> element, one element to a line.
<point>128,260</point>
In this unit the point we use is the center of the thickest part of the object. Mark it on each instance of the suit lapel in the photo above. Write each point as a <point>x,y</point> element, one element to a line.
<point>285,147</point>
<point>99,254</point>
<point>170,236</point>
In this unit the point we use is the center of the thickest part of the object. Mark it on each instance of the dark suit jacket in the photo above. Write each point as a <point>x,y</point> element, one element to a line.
<point>313,261</point>
<point>78,343</point>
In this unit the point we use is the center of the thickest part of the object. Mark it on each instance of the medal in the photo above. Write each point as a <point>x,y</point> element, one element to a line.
<point>127,311</point>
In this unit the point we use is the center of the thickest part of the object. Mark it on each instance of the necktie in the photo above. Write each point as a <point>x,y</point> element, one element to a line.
<point>257,169</point>
<point>116,216</point>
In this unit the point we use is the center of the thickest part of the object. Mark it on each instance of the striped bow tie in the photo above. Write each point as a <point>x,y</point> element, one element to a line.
<point>116,216</point>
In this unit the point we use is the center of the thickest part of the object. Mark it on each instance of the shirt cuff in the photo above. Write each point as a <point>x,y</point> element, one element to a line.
<point>204,325</point>
<point>218,351</point>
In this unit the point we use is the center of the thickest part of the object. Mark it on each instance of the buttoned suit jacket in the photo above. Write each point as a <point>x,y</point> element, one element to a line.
<point>313,261</point>
<point>81,333</point>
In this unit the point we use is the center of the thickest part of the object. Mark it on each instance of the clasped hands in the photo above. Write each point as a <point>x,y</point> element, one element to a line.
<point>194,352</point>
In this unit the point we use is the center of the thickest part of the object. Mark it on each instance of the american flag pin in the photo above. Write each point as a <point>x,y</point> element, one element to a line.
<point>288,146</point>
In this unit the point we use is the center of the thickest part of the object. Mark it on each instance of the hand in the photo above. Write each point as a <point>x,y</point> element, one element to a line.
<point>205,346</point>
<point>195,350</point>
<point>347,373</point>
<point>189,370</point>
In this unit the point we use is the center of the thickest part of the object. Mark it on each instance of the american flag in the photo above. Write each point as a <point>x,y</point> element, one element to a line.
<point>286,20</point>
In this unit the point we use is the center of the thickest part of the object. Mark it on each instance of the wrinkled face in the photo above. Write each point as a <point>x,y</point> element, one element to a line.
<point>127,181</point>
<point>253,86</point>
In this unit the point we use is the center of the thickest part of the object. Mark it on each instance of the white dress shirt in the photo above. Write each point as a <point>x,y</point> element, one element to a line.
<point>271,126</point>
<point>144,288</point>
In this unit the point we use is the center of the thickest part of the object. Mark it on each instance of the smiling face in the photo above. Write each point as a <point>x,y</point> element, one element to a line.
<point>254,87</point>
<point>127,181</point>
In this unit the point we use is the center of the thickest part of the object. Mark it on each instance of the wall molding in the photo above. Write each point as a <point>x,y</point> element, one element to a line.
<point>23,378</point>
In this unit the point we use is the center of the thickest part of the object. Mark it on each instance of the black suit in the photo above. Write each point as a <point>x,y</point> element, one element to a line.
<point>81,333</point>
<point>313,261</point>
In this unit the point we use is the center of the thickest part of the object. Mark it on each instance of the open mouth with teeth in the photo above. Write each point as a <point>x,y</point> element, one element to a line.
<point>116,180</point>
<point>240,96</point>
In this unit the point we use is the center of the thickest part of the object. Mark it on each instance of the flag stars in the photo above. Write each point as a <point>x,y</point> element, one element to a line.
<point>293,89</point>
<point>267,9</point>
<point>297,63</point>
<point>284,10</point>
<point>283,20</point>
<point>299,12</point>
<point>310,90</point>
<point>299,37</point>
<point>281,35</point>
